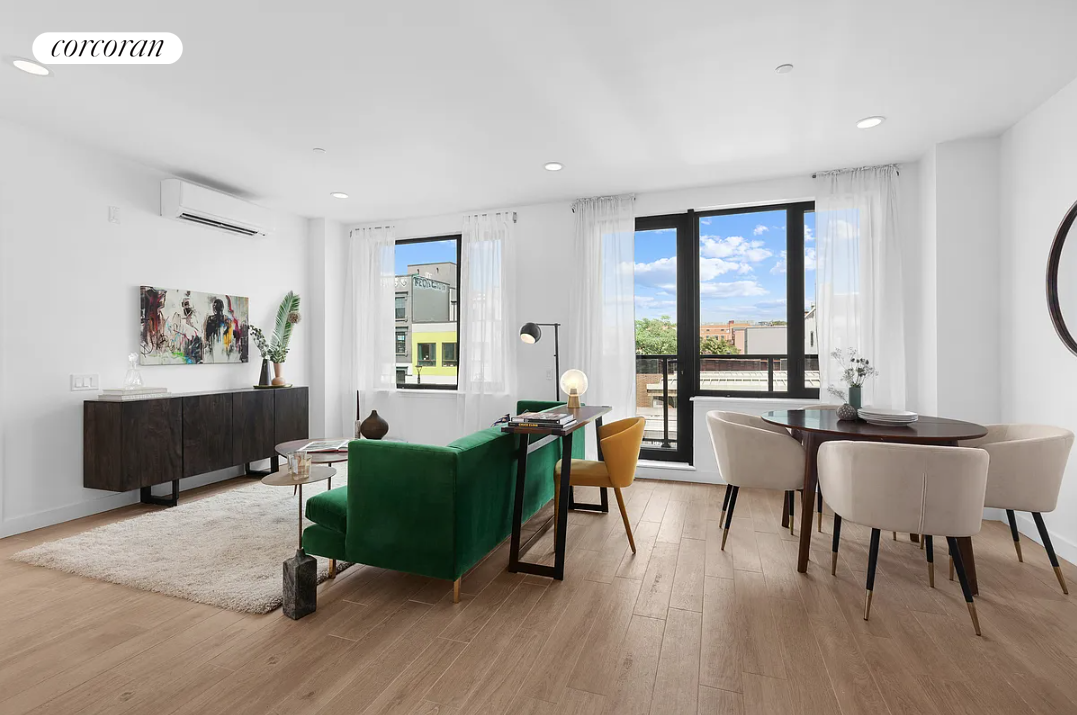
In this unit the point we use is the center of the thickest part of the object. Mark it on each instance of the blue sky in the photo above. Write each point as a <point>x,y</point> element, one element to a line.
<point>742,268</point>
<point>409,254</point>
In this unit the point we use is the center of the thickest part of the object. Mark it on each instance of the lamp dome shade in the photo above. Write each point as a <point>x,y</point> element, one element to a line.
<point>574,381</point>
<point>530,333</point>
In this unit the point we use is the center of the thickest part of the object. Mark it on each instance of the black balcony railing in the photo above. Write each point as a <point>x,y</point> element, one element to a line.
<point>754,375</point>
<point>654,365</point>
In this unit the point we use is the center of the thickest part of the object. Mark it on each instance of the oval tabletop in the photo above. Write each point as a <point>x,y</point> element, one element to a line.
<point>286,449</point>
<point>284,478</point>
<point>925,430</point>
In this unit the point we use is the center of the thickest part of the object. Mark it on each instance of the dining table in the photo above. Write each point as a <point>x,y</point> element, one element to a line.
<point>814,426</point>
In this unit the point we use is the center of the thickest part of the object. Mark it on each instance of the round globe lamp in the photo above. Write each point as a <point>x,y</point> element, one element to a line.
<point>574,383</point>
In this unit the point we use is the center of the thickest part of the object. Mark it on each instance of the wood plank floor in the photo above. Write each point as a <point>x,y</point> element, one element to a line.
<point>679,627</point>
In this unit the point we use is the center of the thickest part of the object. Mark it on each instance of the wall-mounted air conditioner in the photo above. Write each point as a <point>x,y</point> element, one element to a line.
<point>190,202</point>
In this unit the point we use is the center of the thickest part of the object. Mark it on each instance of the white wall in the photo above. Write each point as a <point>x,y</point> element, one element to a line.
<point>544,234</point>
<point>1039,375</point>
<point>69,286</point>
<point>967,278</point>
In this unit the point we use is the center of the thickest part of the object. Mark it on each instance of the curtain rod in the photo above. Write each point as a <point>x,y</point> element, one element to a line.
<point>615,196</point>
<point>897,169</point>
<point>498,213</point>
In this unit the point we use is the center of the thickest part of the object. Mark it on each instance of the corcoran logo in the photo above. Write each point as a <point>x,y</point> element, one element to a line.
<point>107,48</point>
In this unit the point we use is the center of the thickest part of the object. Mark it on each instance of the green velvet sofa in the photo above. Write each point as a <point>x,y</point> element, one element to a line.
<point>433,511</point>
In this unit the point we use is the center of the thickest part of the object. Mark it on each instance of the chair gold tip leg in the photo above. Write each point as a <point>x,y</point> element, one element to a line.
<point>975,620</point>
<point>1061,580</point>
<point>867,606</point>
<point>895,535</point>
<point>833,563</point>
<point>456,591</point>
<point>931,574</point>
<point>819,523</point>
<point>951,568</point>
<point>721,519</point>
<point>725,533</point>
<point>791,527</point>
<point>921,542</point>
<point>332,568</point>
<point>1020,557</point>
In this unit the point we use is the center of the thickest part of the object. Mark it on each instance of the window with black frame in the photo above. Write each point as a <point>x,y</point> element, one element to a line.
<point>718,313</point>
<point>426,314</point>
<point>756,302</point>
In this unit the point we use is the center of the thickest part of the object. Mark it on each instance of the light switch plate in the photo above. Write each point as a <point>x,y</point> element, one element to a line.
<point>549,374</point>
<point>113,214</point>
<point>85,381</point>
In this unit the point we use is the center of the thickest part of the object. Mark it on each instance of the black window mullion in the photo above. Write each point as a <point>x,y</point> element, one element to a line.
<point>794,252</point>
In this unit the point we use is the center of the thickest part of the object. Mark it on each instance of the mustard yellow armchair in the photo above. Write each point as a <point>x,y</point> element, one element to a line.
<point>620,442</point>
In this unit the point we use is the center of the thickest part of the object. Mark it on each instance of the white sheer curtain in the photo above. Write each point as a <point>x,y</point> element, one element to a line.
<point>859,290</point>
<point>602,339</point>
<point>368,357</point>
<point>488,327</point>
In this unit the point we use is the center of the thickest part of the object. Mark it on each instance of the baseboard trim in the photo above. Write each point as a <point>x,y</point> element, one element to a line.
<point>69,512</point>
<point>1064,548</point>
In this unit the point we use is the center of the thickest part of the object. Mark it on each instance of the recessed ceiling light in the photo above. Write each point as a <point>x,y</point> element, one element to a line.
<point>319,150</point>
<point>338,195</point>
<point>869,122</point>
<point>784,69</point>
<point>554,166</point>
<point>31,67</point>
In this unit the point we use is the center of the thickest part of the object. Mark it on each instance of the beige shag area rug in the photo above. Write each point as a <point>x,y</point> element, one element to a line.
<point>224,550</point>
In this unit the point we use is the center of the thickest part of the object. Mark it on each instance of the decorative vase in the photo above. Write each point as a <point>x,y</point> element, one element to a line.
<point>374,427</point>
<point>847,412</point>
<point>266,375</point>
<point>854,396</point>
<point>278,374</point>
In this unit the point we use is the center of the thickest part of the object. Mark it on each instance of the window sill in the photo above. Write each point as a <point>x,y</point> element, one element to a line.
<point>427,392</point>
<point>707,399</point>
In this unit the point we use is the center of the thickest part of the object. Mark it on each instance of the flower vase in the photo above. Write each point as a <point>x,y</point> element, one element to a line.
<point>854,396</point>
<point>278,374</point>
<point>266,375</point>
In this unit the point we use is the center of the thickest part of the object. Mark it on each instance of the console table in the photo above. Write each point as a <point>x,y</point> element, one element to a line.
<point>135,445</point>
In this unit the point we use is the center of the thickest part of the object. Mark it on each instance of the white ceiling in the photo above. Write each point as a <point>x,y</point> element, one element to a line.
<point>430,106</point>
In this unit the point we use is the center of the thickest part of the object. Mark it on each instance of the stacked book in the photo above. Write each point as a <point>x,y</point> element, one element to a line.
<point>552,419</point>
<point>130,394</point>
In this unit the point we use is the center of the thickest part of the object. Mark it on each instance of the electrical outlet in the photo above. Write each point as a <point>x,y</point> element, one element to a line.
<point>86,381</point>
<point>113,214</point>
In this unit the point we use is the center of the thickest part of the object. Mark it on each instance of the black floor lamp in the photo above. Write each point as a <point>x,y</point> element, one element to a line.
<point>531,333</point>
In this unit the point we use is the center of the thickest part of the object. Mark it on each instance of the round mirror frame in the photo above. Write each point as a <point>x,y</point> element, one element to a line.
<point>1052,279</point>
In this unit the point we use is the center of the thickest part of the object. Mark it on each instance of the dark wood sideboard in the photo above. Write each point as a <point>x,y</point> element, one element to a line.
<point>135,445</point>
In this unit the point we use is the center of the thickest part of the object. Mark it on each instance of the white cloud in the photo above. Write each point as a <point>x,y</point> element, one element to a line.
<point>733,289</point>
<point>706,221</point>
<point>647,302</point>
<point>736,247</point>
<point>781,267</point>
<point>662,273</point>
<point>808,234</point>
<point>760,229</point>
<point>659,273</point>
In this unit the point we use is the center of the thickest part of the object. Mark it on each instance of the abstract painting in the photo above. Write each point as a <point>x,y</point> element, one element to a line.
<point>186,327</point>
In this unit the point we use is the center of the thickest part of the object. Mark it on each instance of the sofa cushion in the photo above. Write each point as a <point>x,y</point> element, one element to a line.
<point>478,438</point>
<point>330,509</point>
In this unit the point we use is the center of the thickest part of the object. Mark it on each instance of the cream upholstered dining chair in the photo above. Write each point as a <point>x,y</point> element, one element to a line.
<point>1027,464</point>
<point>903,487</point>
<point>755,454</point>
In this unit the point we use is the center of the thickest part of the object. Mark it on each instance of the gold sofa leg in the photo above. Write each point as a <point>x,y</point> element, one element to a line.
<point>456,591</point>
